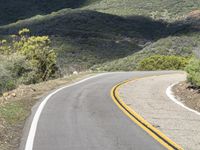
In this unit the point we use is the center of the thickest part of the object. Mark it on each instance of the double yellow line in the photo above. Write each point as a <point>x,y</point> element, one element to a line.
<point>140,121</point>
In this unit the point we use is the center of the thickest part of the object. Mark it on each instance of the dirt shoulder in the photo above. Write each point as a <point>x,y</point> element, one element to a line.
<point>188,95</point>
<point>15,107</point>
<point>148,98</point>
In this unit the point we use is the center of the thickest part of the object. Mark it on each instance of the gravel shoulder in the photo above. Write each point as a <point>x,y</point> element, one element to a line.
<point>148,97</point>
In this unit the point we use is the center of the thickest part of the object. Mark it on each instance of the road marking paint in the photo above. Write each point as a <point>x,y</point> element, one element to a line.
<point>33,128</point>
<point>140,121</point>
<point>173,98</point>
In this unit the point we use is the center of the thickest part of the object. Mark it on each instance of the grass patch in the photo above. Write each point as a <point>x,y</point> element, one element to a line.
<point>13,112</point>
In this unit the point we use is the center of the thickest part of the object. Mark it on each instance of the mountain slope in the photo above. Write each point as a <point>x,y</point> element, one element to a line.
<point>84,38</point>
<point>170,10</point>
<point>103,33</point>
<point>12,10</point>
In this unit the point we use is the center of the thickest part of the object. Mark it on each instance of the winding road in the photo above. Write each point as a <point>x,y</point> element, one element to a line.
<point>83,116</point>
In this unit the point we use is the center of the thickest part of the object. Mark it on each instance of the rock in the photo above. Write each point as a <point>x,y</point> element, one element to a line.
<point>32,89</point>
<point>14,94</point>
<point>5,94</point>
<point>75,73</point>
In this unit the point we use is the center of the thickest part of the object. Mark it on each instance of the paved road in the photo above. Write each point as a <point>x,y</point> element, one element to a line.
<point>175,121</point>
<point>84,117</point>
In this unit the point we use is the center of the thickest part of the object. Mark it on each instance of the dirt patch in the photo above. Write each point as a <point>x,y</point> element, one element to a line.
<point>194,14</point>
<point>16,106</point>
<point>187,94</point>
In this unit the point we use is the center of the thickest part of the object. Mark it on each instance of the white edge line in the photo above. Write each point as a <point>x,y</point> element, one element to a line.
<point>173,98</point>
<point>33,128</point>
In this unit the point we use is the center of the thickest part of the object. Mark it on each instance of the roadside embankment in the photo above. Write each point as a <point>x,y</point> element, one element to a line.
<point>187,94</point>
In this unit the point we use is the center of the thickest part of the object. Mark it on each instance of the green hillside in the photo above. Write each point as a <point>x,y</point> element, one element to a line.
<point>158,9</point>
<point>84,38</point>
<point>108,35</point>
<point>12,10</point>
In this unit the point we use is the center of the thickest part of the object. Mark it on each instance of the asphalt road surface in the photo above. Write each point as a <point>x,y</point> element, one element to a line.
<point>84,117</point>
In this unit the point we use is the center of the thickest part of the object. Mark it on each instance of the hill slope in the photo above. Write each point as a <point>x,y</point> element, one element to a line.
<point>12,10</point>
<point>170,10</point>
<point>105,34</point>
<point>84,38</point>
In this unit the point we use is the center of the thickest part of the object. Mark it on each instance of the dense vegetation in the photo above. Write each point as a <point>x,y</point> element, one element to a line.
<point>26,59</point>
<point>162,62</point>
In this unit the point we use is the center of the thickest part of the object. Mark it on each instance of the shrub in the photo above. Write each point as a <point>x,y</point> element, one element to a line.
<point>193,70</point>
<point>12,68</point>
<point>6,82</point>
<point>40,58</point>
<point>17,65</point>
<point>161,62</point>
<point>26,59</point>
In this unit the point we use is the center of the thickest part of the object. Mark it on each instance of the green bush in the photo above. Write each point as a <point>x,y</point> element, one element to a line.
<point>17,65</point>
<point>193,70</point>
<point>26,59</point>
<point>13,67</point>
<point>6,82</point>
<point>161,62</point>
<point>39,58</point>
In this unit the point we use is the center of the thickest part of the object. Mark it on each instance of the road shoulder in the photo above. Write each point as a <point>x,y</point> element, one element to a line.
<point>148,98</point>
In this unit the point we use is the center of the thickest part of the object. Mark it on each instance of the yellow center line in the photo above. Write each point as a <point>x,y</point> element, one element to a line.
<point>139,120</point>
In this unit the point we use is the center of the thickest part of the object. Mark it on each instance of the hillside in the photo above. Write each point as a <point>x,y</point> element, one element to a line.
<point>109,35</point>
<point>172,45</point>
<point>13,10</point>
<point>84,37</point>
<point>170,10</point>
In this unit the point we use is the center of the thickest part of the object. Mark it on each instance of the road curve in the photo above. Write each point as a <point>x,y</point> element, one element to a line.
<point>84,117</point>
